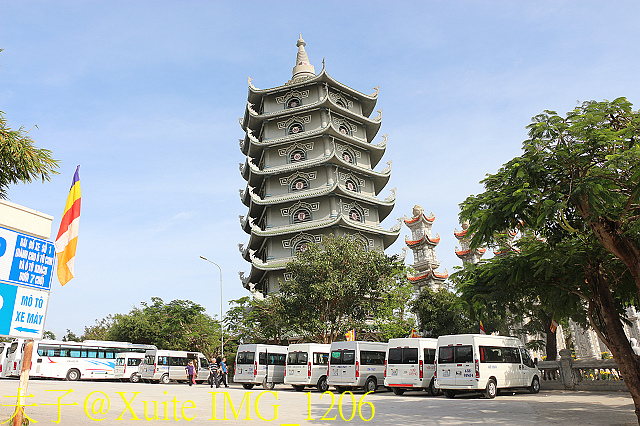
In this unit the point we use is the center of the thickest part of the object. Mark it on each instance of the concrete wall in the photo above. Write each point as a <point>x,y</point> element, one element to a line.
<point>25,220</point>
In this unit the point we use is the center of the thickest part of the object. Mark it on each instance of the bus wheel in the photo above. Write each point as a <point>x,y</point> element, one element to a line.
<point>298,388</point>
<point>247,385</point>
<point>492,389</point>
<point>323,386</point>
<point>370,385</point>
<point>73,375</point>
<point>134,378</point>
<point>398,391</point>
<point>164,379</point>
<point>449,393</point>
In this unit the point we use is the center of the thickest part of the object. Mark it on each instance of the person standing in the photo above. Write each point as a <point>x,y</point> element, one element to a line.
<point>190,372</point>
<point>213,373</point>
<point>223,368</point>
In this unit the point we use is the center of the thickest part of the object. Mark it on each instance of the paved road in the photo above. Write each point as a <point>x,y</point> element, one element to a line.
<point>179,402</point>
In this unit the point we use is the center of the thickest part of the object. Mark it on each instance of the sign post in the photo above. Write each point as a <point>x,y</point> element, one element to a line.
<point>26,268</point>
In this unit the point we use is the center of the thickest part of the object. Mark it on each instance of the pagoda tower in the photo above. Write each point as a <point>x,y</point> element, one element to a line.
<point>424,251</point>
<point>309,168</point>
<point>464,252</point>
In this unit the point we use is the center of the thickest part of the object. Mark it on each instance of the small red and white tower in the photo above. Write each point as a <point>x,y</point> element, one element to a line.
<point>423,246</point>
<point>464,252</point>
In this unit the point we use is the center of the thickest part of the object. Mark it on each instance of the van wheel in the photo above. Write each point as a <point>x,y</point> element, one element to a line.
<point>370,385</point>
<point>449,393</point>
<point>323,386</point>
<point>535,385</point>
<point>247,385</point>
<point>398,391</point>
<point>268,385</point>
<point>134,378</point>
<point>432,390</point>
<point>73,375</point>
<point>164,379</point>
<point>491,390</point>
<point>298,388</point>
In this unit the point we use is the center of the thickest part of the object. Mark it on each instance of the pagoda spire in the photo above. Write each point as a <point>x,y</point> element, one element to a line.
<point>303,68</point>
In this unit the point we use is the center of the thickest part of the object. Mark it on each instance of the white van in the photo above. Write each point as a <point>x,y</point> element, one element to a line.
<point>478,362</point>
<point>164,366</point>
<point>4,350</point>
<point>128,366</point>
<point>259,364</point>
<point>411,364</point>
<point>356,364</point>
<point>307,366</point>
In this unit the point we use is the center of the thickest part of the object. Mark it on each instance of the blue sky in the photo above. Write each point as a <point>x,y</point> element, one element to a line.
<point>146,96</point>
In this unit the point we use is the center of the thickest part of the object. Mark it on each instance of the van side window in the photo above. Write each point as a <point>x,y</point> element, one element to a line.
<point>163,360</point>
<point>429,356</point>
<point>499,354</point>
<point>278,359</point>
<point>204,363</point>
<point>132,362</point>
<point>320,358</point>
<point>375,358</point>
<point>262,358</point>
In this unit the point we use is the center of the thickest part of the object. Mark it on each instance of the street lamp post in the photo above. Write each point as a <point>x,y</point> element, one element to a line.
<point>221,325</point>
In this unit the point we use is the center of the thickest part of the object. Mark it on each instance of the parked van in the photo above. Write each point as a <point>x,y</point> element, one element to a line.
<point>410,365</point>
<point>307,366</point>
<point>128,366</point>
<point>356,365</point>
<point>4,350</point>
<point>258,364</point>
<point>164,366</point>
<point>478,362</point>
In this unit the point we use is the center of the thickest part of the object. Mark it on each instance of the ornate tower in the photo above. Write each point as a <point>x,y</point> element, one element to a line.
<point>310,171</point>
<point>424,251</point>
<point>465,253</point>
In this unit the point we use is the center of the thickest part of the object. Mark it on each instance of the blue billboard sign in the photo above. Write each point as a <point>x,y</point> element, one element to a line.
<point>25,260</point>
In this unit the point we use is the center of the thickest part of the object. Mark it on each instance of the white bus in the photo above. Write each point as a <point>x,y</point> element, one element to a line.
<point>90,359</point>
<point>410,365</point>
<point>164,366</point>
<point>128,366</point>
<point>307,366</point>
<point>478,362</point>
<point>356,365</point>
<point>260,364</point>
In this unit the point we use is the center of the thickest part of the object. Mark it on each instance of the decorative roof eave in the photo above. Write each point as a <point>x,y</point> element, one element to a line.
<point>424,240</point>
<point>429,275</point>
<point>368,101</point>
<point>376,151</point>
<point>269,265</point>
<point>339,220</point>
<point>253,120</point>
<point>460,234</point>
<point>460,253</point>
<point>413,222</point>
<point>254,175</point>
<point>251,282</point>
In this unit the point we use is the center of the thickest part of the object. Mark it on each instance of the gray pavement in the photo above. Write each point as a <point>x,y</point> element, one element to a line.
<point>99,403</point>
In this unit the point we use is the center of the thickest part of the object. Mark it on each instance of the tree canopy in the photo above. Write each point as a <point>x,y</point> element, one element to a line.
<point>20,160</point>
<point>575,188</point>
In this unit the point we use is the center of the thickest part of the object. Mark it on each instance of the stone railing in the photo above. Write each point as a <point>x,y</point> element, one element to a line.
<point>581,374</point>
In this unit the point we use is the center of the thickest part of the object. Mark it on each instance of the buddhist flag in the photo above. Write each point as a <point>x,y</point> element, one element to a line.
<point>351,335</point>
<point>414,333</point>
<point>554,326</point>
<point>482,329</point>
<point>68,234</point>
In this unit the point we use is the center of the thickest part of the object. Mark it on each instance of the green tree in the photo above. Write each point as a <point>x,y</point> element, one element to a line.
<point>20,160</point>
<point>178,325</point>
<point>335,287</point>
<point>395,319</point>
<point>100,330</point>
<point>577,182</point>
<point>527,282</point>
<point>49,335</point>
<point>71,337</point>
<point>441,313</point>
